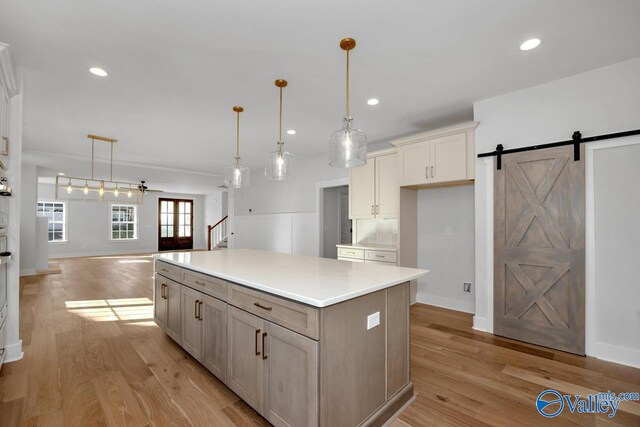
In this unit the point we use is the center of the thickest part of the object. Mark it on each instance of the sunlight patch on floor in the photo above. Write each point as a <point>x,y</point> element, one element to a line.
<point>129,309</point>
<point>133,261</point>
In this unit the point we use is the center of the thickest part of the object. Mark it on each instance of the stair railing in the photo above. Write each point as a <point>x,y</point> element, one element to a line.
<point>217,233</point>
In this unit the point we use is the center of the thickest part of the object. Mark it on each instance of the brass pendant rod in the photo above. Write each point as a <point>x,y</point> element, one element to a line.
<point>111,164</point>
<point>237,138</point>
<point>348,84</point>
<point>280,123</point>
<point>93,142</point>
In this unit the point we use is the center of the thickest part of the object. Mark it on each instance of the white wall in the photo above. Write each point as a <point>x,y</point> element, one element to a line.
<point>446,246</point>
<point>289,206</point>
<point>596,102</point>
<point>616,186</point>
<point>89,226</point>
<point>28,200</point>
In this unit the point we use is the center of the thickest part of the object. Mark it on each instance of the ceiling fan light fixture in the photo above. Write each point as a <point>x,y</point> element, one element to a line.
<point>347,146</point>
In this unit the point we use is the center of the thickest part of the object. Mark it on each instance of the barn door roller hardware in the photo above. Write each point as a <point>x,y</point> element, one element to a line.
<point>576,140</point>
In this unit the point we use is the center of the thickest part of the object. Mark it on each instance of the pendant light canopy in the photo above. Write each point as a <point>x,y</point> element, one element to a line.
<point>279,162</point>
<point>347,146</point>
<point>237,176</point>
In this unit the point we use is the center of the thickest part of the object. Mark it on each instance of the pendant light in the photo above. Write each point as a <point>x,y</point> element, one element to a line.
<point>279,161</point>
<point>237,176</point>
<point>347,146</point>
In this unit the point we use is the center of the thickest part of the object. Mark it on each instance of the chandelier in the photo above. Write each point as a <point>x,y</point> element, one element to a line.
<point>97,189</point>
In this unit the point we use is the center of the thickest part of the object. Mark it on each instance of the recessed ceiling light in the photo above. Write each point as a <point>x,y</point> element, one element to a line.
<point>61,173</point>
<point>98,71</point>
<point>373,101</point>
<point>530,44</point>
<point>291,132</point>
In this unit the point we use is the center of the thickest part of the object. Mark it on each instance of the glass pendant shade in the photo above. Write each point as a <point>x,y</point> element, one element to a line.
<point>347,147</point>
<point>278,165</point>
<point>236,176</point>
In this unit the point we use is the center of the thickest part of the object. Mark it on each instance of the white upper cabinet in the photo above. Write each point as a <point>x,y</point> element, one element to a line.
<point>437,157</point>
<point>374,188</point>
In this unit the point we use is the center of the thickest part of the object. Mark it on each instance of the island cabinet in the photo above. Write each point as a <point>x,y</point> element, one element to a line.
<point>166,306</point>
<point>344,364</point>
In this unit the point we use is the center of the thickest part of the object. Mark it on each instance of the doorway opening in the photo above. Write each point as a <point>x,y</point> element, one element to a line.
<point>175,224</point>
<point>336,226</point>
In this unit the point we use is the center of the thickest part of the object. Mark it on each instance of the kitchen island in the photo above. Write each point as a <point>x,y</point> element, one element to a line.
<point>305,341</point>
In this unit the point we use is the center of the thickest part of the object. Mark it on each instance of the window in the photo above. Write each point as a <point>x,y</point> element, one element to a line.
<point>123,222</point>
<point>56,213</point>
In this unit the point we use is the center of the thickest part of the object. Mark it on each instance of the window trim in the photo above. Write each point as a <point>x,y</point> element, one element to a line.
<point>65,235</point>
<point>135,222</point>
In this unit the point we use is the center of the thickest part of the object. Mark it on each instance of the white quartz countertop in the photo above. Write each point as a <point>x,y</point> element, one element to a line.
<point>315,281</point>
<point>370,246</point>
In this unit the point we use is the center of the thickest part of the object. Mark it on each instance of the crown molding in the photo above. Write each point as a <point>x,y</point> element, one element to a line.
<point>436,133</point>
<point>8,70</point>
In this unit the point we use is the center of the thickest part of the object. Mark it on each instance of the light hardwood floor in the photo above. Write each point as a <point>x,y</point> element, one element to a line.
<point>93,356</point>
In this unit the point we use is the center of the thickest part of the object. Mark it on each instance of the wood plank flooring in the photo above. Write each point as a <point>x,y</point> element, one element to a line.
<point>93,356</point>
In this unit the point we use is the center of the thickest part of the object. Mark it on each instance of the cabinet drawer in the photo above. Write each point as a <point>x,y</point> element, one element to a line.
<point>295,316</point>
<point>350,253</point>
<point>207,284</point>
<point>370,261</point>
<point>168,270</point>
<point>384,256</point>
<point>351,259</point>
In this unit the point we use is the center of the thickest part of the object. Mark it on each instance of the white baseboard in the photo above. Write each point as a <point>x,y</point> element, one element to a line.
<point>14,352</point>
<point>444,302</point>
<point>480,324</point>
<point>109,253</point>
<point>617,354</point>
<point>27,272</point>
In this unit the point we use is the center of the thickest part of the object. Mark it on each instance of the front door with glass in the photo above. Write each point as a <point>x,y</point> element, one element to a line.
<point>175,224</point>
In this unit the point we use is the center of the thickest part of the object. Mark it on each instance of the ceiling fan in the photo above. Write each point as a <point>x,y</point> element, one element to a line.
<point>144,189</point>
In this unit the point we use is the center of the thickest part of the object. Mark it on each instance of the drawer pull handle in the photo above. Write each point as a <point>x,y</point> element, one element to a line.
<point>197,282</point>
<point>162,292</point>
<point>164,270</point>
<point>380,256</point>
<point>195,309</point>
<point>264,353</point>
<point>200,310</point>
<point>257,335</point>
<point>257,304</point>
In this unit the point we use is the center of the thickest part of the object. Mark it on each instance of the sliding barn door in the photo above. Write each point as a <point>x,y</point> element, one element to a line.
<point>539,248</point>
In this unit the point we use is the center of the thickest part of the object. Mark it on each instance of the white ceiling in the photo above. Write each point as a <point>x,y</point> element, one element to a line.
<point>177,67</point>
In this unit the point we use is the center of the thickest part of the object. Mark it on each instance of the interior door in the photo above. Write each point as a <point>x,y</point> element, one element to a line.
<point>539,248</point>
<point>175,224</point>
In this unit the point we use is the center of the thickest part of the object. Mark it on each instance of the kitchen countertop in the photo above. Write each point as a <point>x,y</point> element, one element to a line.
<point>319,282</point>
<point>370,246</point>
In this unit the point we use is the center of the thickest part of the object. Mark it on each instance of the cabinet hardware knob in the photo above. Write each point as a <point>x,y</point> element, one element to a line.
<point>257,335</point>
<point>257,304</point>
<point>264,353</point>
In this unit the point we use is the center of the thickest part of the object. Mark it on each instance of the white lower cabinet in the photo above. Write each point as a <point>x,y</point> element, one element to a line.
<point>269,366</point>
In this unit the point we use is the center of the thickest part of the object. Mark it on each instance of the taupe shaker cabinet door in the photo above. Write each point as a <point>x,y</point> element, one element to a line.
<point>214,330</point>
<point>192,302</point>
<point>290,378</point>
<point>539,245</point>
<point>244,356</point>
